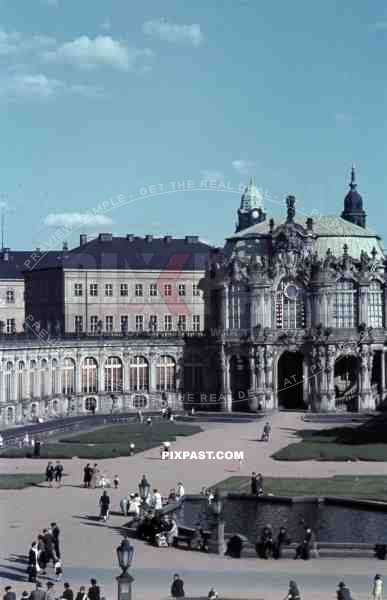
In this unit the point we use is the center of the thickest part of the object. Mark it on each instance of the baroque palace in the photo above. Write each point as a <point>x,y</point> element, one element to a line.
<point>290,313</point>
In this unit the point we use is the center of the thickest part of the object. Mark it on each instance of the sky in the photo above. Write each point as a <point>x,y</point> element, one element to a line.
<point>101,99</point>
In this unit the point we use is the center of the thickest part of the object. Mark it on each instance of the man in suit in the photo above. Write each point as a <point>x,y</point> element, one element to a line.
<point>9,594</point>
<point>55,535</point>
<point>38,593</point>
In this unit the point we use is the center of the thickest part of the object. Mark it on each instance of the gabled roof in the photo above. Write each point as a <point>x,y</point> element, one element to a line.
<point>135,253</point>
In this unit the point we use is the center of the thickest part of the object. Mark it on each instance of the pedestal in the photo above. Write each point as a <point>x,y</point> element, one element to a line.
<point>124,586</point>
<point>216,543</point>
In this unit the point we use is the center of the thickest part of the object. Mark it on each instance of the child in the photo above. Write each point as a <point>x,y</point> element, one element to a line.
<point>58,570</point>
<point>116,481</point>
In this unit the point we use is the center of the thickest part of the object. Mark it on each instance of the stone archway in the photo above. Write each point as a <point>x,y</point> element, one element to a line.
<point>290,381</point>
<point>347,382</point>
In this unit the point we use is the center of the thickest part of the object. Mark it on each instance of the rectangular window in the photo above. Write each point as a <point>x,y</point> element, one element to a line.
<point>109,324</point>
<point>124,289</point>
<point>11,326</point>
<point>181,323</point>
<point>124,323</point>
<point>167,289</point>
<point>153,323</point>
<point>109,289</point>
<point>10,297</point>
<point>168,322</point>
<point>153,289</point>
<point>139,291</point>
<point>77,289</point>
<point>94,289</point>
<point>93,324</point>
<point>196,322</point>
<point>78,323</point>
<point>139,323</point>
<point>195,289</point>
<point>181,289</point>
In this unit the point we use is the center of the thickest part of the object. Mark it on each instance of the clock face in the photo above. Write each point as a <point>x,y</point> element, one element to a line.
<point>255,214</point>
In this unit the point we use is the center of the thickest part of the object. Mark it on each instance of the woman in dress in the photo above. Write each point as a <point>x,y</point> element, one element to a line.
<point>94,476</point>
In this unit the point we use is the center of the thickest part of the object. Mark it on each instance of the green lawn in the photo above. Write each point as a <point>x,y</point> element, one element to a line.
<point>110,442</point>
<point>20,480</point>
<point>365,487</point>
<point>340,444</point>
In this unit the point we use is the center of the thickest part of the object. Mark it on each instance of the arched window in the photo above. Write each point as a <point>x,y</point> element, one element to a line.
<point>90,404</point>
<point>55,407</point>
<point>139,374</point>
<point>166,374</point>
<point>345,304</point>
<point>9,381</point>
<point>375,304</point>
<point>21,377</point>
<point>9,415</point>
<point>54,378</point>
<point>68,385</point>
<point>44,379</point>
<point>290,305</point>
<point>193,373</point>
<point>32,379</point>
<point>113,374</point>
<point>89,376</point>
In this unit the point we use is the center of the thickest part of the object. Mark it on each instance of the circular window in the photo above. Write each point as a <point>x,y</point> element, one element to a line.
<point>291,291</point>
<point>139,401</point>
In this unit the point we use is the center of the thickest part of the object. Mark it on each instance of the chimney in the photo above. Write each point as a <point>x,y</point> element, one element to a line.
<point>130,237</point>
<point>167,239</point>
<point>149,238</point>
<point>5,254</point>
<point>65,246</point>
<point>83,239</point>
<point>309,224</point>
<point>191,239</point>
<point>105,237</point>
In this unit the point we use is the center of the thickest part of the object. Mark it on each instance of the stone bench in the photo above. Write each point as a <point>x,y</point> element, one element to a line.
<point>186,535</point>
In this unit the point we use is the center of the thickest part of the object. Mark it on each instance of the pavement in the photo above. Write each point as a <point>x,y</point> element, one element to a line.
<point>88,546</point>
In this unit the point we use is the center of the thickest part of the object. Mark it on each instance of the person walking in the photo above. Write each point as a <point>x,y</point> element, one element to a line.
<point>104,503</point>
<point>33,564</point>
<point>58,473</point>
<point>38,593</point>
<point>179,491</point>
<point>9,593</point>
<point>293,592</point>
<point>50,593</point>
<point>50,471</point>
<point>177,587</point>
<point>68,593</point>
<point>87,473</point>
<point>94,476</point>
<point>343,593</point>
<point>253,484</point>
<point>94,592</point>
<point>48,540</point>
<point>377,588</point>
<point>55,531</point>
<point>81,595</point>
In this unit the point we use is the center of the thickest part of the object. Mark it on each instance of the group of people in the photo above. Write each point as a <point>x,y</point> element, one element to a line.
<point>50,593</point>
<point>44,551</point>
<point>343,592</point>
<point>93,478</point>
<point>256,484</point>
<point>158,530</point>
<point>54,473</point>
<point>266,547</point>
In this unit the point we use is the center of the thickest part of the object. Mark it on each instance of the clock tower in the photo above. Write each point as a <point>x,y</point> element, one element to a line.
<point>251,209</point>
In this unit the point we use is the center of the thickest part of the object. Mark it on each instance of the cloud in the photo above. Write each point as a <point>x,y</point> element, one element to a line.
<point>212,175</point>
<point>40,87</point>
<point>173,32</point>
<point>244,167</point>
<point>30,85</point>
<point>14,43</point>
<point>66,219</point>
<point>343,118</point>
<point>102,51</point>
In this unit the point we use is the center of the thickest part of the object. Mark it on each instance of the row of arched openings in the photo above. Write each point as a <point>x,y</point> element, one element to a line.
<point>30,382</point>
